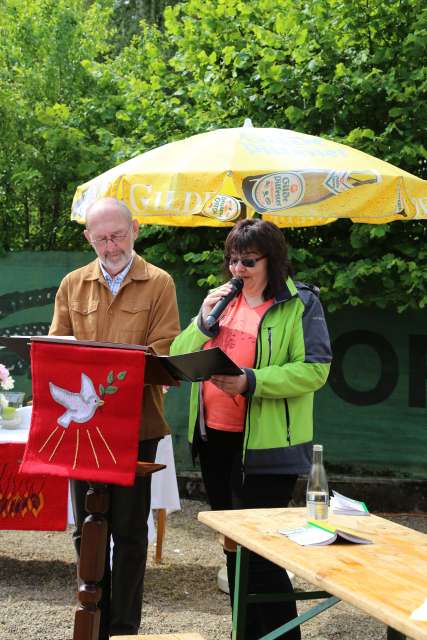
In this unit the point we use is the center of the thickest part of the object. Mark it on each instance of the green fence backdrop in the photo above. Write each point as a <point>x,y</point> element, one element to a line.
<point>371,415</point>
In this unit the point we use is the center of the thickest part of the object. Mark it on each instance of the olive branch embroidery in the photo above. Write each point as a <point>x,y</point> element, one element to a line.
<point>110,388</point>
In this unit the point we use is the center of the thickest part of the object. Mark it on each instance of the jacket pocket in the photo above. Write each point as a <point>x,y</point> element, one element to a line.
<point>134,320</point>
<point>84,307</point>
<point>84,318</point>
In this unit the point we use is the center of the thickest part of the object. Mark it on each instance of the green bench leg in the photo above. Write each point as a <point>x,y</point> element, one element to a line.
<point>241,599</point>
<point>311,613</point>
<point>240,594</point>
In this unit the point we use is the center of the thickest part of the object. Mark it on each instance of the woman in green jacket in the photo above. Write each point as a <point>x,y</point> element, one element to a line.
<point>253,432</point>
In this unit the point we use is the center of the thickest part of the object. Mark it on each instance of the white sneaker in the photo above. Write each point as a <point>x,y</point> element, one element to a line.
<point>290,575</point>
<point>222,580</point>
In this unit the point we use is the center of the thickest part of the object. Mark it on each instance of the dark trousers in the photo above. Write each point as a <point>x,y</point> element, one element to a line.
<point>123,581</point>
<point>221,464</point>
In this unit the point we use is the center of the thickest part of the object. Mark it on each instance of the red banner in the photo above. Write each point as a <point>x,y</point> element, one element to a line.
<point>86,414</point>
<point>37,503</point>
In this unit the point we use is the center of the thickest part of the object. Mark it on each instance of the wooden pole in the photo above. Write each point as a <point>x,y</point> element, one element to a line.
<point>91,565</point>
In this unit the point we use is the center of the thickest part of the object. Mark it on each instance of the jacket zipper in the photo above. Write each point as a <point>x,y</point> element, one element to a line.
<point>246,436</point>
<point>288,422</point>
<point>257,360</point>
<point>201,416</point>
<point>270,340</point>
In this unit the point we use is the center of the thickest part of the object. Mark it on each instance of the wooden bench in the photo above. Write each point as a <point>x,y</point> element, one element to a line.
<point>166,636</point>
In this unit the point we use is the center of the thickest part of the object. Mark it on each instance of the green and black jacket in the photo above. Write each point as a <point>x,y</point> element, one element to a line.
<point>292,361</point>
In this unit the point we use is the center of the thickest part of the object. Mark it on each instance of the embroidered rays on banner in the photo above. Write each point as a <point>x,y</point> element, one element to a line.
<point>86,414</point>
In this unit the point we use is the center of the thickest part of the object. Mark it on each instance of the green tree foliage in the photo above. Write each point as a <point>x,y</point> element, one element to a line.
<point>44,151</point>
<point>127,16</point>
<point>344,69</point>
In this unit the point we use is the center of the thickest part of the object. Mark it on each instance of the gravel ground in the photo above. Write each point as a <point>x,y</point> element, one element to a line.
<point>37,575</point>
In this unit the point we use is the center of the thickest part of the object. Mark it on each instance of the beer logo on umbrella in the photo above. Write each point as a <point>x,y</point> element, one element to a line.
<point>80,408</point>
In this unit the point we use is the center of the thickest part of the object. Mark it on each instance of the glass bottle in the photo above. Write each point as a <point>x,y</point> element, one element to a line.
<point>317,496</point>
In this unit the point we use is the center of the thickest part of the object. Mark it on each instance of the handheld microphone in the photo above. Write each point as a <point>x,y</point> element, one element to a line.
<point>237,285</point>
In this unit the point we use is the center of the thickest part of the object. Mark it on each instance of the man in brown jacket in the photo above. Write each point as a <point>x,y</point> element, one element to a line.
<point>119,297</point>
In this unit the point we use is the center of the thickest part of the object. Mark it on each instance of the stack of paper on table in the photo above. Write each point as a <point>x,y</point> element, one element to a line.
<point>420,613</point>
<point>343,506</point>
<point>316,534</point>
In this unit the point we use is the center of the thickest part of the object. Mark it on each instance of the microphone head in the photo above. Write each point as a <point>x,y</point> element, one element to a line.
<point>237,283</point>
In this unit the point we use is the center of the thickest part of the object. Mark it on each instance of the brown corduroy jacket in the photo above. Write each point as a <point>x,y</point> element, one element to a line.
<point>144,312</point>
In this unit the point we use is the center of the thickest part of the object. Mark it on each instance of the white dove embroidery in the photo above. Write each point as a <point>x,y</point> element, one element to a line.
<point>80,406</point>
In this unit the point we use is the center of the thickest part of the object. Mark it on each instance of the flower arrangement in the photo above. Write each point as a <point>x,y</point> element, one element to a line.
<point>6,383</point>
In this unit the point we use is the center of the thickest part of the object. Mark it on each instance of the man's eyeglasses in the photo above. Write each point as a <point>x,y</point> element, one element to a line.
<point>115,238</point>
<point>250,263</point>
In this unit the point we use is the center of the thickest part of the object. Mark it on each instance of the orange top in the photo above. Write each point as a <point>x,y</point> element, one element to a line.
<point>237,338</point>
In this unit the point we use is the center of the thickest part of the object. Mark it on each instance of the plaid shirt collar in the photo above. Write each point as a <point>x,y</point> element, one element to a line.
<point>114,283</point>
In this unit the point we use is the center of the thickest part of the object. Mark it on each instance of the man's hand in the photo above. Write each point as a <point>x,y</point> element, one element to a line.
<point>232,385</point>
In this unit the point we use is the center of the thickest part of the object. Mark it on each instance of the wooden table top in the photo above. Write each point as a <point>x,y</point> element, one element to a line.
<point>387,579</point>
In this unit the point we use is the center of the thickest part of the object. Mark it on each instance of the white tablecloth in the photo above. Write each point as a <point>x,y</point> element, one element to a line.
<point>19,434</point>
<point>164,486</point>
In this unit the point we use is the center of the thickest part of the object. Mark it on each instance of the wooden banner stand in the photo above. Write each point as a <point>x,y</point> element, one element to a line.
<point>91,565</point>
<point>159,370</point>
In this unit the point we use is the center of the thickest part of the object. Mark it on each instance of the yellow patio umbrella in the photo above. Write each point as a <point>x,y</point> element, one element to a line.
<point>291,178</point>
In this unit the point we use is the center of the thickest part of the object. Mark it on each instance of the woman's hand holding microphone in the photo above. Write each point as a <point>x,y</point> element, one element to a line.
<point>231,385</point>
<point>213,298</point>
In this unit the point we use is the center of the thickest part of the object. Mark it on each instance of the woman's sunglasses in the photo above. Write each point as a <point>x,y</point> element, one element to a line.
<point>245,262</point>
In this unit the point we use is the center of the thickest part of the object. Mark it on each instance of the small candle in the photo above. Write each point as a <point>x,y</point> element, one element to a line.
<point>8,413</point>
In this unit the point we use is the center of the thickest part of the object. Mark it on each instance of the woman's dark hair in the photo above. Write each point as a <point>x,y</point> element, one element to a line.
<point>267,239</point>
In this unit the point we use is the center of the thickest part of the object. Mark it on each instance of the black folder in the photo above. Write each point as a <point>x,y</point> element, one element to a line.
<point>199,365</point>
<point>166,370</point>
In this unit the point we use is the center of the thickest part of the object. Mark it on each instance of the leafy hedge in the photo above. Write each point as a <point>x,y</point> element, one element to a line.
<point>75,99</point>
